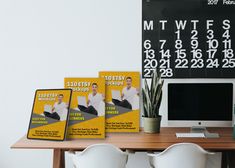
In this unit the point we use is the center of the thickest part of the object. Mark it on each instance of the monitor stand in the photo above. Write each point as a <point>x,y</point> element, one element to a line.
<point>197,129</point>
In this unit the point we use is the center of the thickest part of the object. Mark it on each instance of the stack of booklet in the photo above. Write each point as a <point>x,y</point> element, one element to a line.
<point>87,107</point>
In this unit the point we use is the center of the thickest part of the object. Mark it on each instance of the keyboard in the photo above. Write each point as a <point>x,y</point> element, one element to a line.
<point>190,135</point>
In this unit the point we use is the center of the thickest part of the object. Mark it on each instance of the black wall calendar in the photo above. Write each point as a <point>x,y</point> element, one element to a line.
<point>188,38</point>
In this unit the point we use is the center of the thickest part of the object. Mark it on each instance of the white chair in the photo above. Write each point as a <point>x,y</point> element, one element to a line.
<point>100,156</point>
<point>181,155</point>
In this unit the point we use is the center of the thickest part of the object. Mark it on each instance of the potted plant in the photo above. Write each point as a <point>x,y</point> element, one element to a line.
<point>152,97</point>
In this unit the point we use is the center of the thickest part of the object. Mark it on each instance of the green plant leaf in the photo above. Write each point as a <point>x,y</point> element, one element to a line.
<point>154,83</point>
<point>159,101</point>
<point>146,87</point>
<point>147,103</point>
<point>144,104</point>
<point>152,95</point>
<point>159,91</point>
<point>157,105</point>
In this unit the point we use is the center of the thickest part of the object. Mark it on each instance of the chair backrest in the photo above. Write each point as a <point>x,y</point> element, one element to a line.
<point>182,155</point>
<point>100,155</point>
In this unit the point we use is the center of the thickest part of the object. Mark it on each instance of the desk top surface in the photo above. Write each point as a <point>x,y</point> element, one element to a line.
<point>137,141</point>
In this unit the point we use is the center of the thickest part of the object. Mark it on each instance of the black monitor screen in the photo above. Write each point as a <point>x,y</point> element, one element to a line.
<point>200,101</point>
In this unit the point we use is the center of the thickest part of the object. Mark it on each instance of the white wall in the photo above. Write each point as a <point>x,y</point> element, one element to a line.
<point>43,41</point>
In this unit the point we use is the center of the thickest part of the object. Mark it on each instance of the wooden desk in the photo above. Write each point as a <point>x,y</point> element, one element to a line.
<point>138,142</point>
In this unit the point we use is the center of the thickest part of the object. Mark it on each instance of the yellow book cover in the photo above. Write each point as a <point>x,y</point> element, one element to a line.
<point>49,114</point>
<point>122,101</point>
<point>87,110</point>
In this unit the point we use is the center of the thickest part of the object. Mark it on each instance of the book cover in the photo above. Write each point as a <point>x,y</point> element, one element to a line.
<point>87,113</point>
<point>49,114</point>
<point>122,101</point>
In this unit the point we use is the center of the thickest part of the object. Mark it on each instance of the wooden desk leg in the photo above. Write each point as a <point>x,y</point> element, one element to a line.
<point>58,159</point>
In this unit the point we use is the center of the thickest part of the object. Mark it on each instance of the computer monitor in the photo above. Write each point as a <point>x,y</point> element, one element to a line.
<point>200,104</point>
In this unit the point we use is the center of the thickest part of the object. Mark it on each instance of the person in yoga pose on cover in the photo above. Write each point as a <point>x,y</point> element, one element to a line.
<point>58,109</point>
<point>94,100</point>
<point>128,94</point>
